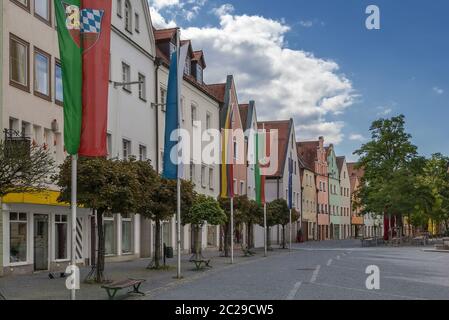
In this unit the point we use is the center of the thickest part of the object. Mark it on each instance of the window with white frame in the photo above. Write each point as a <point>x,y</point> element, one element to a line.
<point>208,121</point>
<point>126,76</point>
<point>109,234</point>
<point>163,99</point>
<point>137,22</point>
<point>126,234</point>
<point>211,179</point>
<point>126,149</point>
<point>194,115</point>
<point>142,153</point>
<point>188,66</point>
<point>128,16</point>
<point>18,240</point>
<point>61,237</point>
<point>119,8</point>
<point>203,176</point>
<point>242,188</point>
<point>142,87</point>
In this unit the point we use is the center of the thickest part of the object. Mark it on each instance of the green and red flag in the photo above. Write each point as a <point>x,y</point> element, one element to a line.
<point>262,145</point>
<point>84,33</point>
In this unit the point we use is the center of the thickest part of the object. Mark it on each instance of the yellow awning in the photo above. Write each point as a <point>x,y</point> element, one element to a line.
<point>48,198</point>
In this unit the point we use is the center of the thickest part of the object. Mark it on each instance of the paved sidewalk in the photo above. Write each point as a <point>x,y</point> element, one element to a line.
<point>39,287</point>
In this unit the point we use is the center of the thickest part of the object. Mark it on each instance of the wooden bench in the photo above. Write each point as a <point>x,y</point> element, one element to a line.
<point>199,263</point>
<point>115,287</point>
<point>419,241</point>
<point>247,252</point>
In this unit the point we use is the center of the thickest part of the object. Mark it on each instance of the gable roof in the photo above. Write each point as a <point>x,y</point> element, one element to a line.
<point>340,162</point>
<point>307,151</point>
<point>244,110</point>
<point>284,129</point>
<point>199,56</point>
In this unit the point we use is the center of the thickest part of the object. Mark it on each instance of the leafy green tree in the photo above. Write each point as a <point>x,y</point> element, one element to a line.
<point>249,213</point>
<point>161,205</point>
<point>391,164</point>
<point>434,183</point>
<point>24,167</point>
<point>225,205</point>
<point>204,210</point>
<point>281,214</point>
<point>105,186</point>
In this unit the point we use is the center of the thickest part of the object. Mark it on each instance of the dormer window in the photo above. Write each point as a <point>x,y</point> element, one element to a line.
<point>188,66</point>
<point>128,17</point>
<point>199,73</point>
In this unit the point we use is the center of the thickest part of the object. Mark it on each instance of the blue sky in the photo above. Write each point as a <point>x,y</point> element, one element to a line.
<point>402,68</point>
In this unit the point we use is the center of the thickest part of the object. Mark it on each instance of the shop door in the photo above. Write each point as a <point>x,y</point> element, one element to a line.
<point>40,242</point>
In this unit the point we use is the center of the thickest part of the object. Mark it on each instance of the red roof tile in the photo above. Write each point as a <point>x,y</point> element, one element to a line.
<point>218,91</point>
<point>164,34</point>
<point>307,151</point>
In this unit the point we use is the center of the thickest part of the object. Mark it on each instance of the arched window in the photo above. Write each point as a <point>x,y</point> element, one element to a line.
<point>128,16</point>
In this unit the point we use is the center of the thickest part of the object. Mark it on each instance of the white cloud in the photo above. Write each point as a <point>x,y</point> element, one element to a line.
<point>306,23</point>
<point>285,83</point>
<point>159,21</point>
<point>160,4</point>
<point>357,137</point>
<point>186,9</point>
<point>438,90</point>
<point>384,111</point>
<point>223,10</point>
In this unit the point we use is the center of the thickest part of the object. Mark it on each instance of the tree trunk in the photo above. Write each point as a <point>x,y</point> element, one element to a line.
<point>226,244</point>
<point>283,237</point>
<point>99,278</point>
<point>157,245</point>
<point>197,242</point>
<point>250,236</point>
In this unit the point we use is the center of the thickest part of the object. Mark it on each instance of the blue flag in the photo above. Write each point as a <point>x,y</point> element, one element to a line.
<point>173,166</point>
<point>290,183</point>
<point>171,121</point>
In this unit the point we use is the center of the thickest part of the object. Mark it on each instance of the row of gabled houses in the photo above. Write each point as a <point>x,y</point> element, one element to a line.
<point>34,228</point>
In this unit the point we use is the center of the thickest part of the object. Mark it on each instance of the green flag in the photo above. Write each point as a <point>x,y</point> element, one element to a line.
<point>69,36</point>
<point>259,179</point>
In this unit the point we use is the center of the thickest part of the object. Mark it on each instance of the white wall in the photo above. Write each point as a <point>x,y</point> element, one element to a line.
<point>204,105</point>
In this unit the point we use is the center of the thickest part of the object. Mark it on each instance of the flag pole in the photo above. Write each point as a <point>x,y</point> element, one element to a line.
<point>178,191</point>
<point>74,204</point>
<point>265,230</point>
<point>178,219</point>
<point>290,231</point>
<point>232,230</point>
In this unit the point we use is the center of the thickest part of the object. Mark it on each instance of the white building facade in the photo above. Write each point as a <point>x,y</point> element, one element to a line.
<point>200,112</point>
<point>277,185</point>
<point>35,228</point>
<point>131,114</point>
